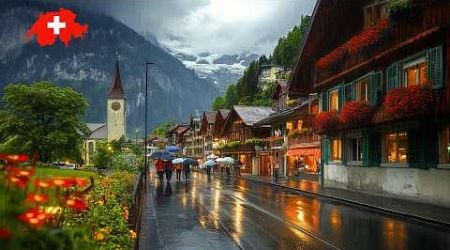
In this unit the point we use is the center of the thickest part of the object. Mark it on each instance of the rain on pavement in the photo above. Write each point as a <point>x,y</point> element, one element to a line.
<point>217,213</point>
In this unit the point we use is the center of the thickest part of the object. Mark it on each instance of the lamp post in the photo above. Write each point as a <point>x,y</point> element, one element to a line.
<point>146,115</point>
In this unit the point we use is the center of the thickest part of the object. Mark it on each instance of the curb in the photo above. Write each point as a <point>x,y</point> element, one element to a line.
<point>359,204</point>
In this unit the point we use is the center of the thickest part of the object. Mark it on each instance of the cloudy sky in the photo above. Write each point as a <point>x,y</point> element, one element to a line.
<point>214,26</point>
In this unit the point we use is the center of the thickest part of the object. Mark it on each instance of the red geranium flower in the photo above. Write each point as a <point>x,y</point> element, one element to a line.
<point>326,121</point>
<point>76,204</point>
<point>37,198</point>
<point>5,234</point>
<point>63,182</point>
<point>43,183</point>
<point>410,101</point>
<point>34,217</point>
<point>356,113</point>
<point>14,158</point>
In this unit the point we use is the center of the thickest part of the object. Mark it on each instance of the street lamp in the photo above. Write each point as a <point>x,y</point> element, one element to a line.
<point>146,114</point>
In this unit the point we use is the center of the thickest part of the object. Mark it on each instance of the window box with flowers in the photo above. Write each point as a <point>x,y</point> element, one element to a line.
<point>326,121</point>
<point>356,113</point>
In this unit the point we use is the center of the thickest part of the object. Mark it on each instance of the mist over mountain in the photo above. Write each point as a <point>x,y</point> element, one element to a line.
<point>87,65</point>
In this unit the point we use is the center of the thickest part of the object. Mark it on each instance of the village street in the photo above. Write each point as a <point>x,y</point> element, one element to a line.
<point>216,213</point>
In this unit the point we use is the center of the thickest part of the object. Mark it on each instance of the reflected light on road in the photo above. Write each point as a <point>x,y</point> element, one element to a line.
<point>238,221</point>
<point>395,234</point>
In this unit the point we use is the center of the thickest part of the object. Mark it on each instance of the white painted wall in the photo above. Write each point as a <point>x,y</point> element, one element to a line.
<point>430,186</point>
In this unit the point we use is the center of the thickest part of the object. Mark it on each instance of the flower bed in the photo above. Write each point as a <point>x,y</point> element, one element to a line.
<point>40,211</point>
<point>356,113</point>
<point>364,39</point>
<point>326,121</point>
<point>410,101</point>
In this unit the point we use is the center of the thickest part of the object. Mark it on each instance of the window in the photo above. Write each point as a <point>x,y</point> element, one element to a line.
<point>415,73</point>
<point>333,97</point>
<point>445,146</point>
<point>315,108</point>
<point>397,147</point>
<point>335,149</point>
<point>355,152</point>
<point>373,13</point>
<point>362,89</point>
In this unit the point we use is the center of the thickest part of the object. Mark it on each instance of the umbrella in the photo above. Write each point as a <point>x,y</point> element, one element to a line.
<point>172,149</point>
<point>212,156</point>
<point>210,163</point>
<point>220,160</point>
<point>189,161</point>
<point>177,160</point>
<point>158,154</point>
<point>228,160</point>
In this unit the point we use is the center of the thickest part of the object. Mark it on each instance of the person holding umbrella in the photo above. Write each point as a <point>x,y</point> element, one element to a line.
<point>186,169</point>
<point>169,169</point>
<point>159,164</point>
<point>178,165</point>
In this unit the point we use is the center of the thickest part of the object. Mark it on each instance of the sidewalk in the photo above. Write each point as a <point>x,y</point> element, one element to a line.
<point>309,184</point>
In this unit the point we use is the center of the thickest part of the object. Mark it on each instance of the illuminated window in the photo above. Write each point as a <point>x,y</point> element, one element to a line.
<point>397,147</point>
<point>445,146</point>
<point>355,151</point>
<point>315,108</point>
<point>333,97</point>
<point>362,89</point>
<point>415,73</point>
<point>335,149</point>
<point>373,13</point>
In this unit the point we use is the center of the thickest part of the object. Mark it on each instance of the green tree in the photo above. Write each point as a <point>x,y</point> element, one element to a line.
<point>103,155</point>
<point>162,129</point>
<point>219,103</point>
<point>42,118</point>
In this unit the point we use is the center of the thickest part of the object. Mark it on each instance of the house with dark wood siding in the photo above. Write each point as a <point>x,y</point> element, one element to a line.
<point>381,75</point>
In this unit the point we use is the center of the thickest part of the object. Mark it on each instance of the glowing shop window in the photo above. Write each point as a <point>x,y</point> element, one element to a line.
<point>397,147</point>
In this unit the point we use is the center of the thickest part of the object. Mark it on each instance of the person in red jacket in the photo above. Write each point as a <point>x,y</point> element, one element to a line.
<point>169,169</point>
<point>159,164</point>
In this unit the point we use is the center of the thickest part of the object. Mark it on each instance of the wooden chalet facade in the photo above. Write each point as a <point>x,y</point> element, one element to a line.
<point>384,95</point>
<point>239,129</point>
<point>207,130</point>
<point>218,139</point>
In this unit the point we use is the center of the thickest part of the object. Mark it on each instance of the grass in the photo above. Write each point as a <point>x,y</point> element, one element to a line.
<point>45,172</point>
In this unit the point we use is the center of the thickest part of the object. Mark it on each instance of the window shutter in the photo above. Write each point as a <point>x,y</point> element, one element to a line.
<point>392,77</point>
<point>375,88</point>
<point>365,150</point>
<point>325,150</point>
<point>374,154</point>
<point>341,96</point>
<point>348,92</point>
<point>325,101</point>
<point>435,71</point>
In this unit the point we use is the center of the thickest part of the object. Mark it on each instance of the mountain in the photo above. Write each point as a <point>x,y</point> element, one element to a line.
<point>222,70</point>
<point>87,65</point>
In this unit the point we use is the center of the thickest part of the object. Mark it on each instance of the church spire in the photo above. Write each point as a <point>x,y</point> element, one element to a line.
<point>116,89</point>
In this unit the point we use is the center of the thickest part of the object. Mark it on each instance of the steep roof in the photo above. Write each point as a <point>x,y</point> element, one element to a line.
<point>252,114</point>
<point>97,130</point>
<point>211,116</point>
<point>224,113</point>
<point>116,89</point>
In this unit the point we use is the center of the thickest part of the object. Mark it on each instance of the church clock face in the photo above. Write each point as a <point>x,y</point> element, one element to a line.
<point>115,106</point>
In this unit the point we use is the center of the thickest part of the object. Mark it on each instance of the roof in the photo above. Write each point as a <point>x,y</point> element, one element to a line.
<point>252,114</point>
<point>97,130</point>
<point>211,116</point>
<point>116,89</point>
<point>224,113</point>
<point>282,114</point>
<point>177,126</point>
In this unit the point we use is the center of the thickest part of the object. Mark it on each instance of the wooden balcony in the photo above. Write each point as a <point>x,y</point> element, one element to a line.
<point>304,140</point>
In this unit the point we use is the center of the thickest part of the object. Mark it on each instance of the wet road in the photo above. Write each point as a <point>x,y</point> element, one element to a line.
<point>214,213</point>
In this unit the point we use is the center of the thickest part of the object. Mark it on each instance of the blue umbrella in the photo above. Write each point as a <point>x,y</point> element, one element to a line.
<point>172,149</point>
<point>189,161</point>
<point>160,154</point>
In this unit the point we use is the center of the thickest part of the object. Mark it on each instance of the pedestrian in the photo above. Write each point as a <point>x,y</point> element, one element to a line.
<point>227,169</point>
<point>178,171</point>
<point>186,170</point>
<point>237,168</point>
<point>159,164</point>
<point>169,170</point>
<point>276,169</point>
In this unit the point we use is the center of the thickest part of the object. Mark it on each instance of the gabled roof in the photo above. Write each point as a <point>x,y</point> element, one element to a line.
<point>284,114</point>
<point>279,89</point>
<point>178,128</point>
<point>97,130</point>
<point>224,113</point>
<point>211,116</point>
<point>252,114</point>
<point>116,89</point>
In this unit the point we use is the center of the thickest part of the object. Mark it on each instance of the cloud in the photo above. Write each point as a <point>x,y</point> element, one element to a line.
<point>215,26</point>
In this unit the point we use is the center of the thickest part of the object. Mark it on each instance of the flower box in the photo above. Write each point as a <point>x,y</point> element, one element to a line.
<point>412,101</point>
<point>356,113</point>
<point>326,122</point>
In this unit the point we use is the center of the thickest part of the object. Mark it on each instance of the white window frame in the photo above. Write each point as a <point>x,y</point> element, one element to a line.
<point>349,150</point>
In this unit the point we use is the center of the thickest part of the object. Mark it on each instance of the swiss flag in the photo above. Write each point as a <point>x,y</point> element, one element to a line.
<point>51,25</point>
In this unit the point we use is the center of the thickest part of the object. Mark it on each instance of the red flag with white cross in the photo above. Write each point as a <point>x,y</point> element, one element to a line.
<point>56,24</point>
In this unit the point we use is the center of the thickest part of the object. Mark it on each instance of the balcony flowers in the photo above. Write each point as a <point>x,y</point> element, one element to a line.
<point>356,113</point>
<point>326,121</point>
<point>362,40</point>
<point>412,101</point>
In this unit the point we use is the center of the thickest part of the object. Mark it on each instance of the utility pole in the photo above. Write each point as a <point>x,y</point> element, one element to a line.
<point>146,116</point>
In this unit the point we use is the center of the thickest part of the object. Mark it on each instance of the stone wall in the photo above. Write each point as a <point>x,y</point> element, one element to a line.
<point>430,186</point>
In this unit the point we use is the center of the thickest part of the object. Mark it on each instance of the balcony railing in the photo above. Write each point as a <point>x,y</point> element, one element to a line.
<point>304,139</point>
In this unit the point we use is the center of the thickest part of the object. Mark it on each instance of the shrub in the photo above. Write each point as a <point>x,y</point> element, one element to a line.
<point>356,113</point>
<point>326,121</point>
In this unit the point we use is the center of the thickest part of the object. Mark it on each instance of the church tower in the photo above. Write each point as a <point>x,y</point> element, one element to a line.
<point>116,107</point>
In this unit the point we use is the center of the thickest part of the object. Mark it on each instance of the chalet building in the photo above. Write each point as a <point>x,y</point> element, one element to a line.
<point>207,131</point>
<point>242,139</point>
<point>383,93</point>
<point>176,136</point>
<point>268,75</point>
<point>221,117</point>
<point>193,140</point>
<point>293,144</point>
